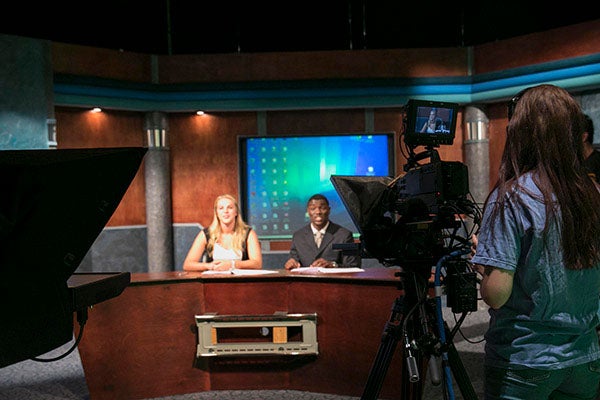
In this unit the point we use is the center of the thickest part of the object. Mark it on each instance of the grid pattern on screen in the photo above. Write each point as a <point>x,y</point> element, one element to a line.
<point>279,174</point>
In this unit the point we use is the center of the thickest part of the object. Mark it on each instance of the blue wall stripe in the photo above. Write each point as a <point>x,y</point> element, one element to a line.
<point>576,74</point>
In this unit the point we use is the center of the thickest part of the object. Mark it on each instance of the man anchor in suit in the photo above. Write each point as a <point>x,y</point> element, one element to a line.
<point>312,245</point>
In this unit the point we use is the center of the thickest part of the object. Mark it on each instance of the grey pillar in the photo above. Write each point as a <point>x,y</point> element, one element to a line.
<point>477,154</point>
<point>158,194</point>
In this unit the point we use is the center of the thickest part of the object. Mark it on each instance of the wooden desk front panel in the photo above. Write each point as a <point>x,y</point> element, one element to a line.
<point>142,343</point>
<point>351,321</point>
<point>246,297</point>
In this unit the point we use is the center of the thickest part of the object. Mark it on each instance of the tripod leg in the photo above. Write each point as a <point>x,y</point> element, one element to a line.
<point>460,374</point>
<point>411,383</point>
<point>380,367</point>
<point>389,341</point>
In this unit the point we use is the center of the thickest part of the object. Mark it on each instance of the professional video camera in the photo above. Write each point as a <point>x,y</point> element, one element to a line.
<point>426,213</point>
<point>421,221</point>
<point>416,218</point>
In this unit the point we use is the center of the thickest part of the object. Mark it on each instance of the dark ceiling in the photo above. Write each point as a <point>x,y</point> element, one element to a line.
<point>201,27</point>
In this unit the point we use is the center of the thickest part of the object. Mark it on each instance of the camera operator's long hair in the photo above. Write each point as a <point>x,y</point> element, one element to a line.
<point>544,137</point>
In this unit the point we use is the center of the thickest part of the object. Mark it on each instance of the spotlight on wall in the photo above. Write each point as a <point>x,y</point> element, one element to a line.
<point>96,110</point>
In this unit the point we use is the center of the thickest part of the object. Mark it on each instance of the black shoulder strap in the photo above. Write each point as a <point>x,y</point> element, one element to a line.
<point>245,245</point>
<point>206,257</point>
<point>247,235</point>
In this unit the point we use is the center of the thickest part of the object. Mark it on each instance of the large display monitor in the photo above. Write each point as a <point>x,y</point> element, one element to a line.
<point>279,173</point>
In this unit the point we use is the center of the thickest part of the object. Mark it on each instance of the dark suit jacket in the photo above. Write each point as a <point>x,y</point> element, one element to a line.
<point>305,250</point>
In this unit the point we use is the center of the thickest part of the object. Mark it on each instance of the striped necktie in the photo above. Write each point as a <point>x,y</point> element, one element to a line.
<point>318,238</point>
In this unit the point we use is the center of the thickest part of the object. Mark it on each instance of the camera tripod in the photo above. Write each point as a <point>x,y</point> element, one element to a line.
<point>412,321</point>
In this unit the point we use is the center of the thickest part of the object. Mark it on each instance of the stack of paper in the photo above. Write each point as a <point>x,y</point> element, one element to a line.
<point>323,270</point>
<point>237,271</point>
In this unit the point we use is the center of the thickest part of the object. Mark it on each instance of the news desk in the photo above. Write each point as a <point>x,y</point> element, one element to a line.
<point>143,343</point>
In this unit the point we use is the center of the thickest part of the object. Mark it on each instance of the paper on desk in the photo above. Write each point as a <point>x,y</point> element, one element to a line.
<point>238,271</point>
<point>253,271</point>
<point>340,270</point>
<point>323,270</point>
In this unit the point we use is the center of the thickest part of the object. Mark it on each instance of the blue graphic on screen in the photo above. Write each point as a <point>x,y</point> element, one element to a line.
<point>281,173</point>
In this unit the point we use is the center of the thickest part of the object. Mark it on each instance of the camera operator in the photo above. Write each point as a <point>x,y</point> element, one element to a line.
<point>539,254</point>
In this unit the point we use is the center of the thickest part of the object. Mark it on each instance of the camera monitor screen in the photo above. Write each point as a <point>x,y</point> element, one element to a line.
<point>430,123</point>
<point>278,174</point>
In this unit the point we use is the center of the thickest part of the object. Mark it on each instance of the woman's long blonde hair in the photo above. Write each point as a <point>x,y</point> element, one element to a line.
<point>239,230</point>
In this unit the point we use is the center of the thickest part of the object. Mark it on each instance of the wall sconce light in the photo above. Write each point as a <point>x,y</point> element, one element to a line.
<point>96,110</point>
<point>199,112</point>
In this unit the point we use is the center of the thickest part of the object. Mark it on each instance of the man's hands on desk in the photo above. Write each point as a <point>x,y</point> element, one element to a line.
<point>318,263</point>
